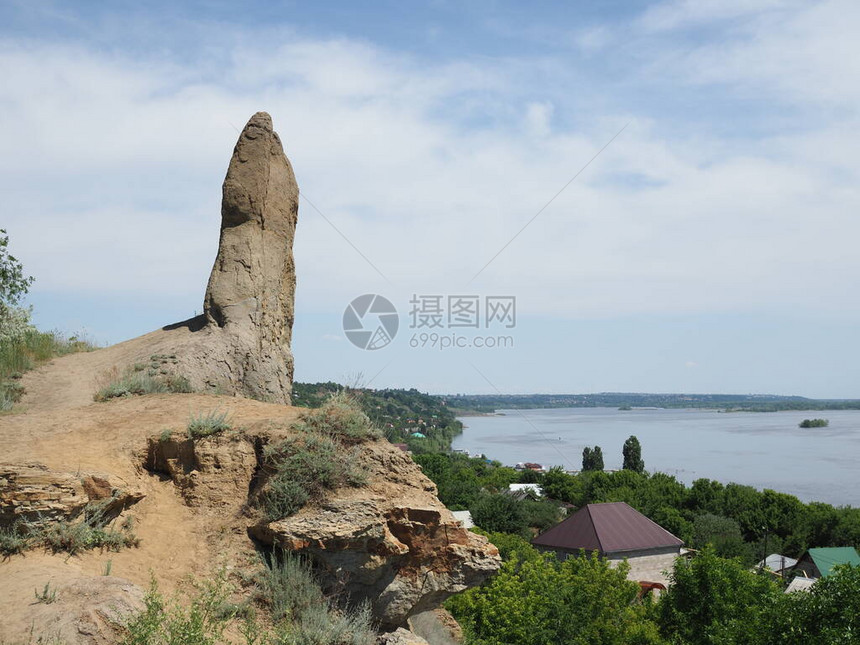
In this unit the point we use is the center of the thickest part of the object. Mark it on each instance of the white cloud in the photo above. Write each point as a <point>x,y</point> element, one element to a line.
<point>111,169</point>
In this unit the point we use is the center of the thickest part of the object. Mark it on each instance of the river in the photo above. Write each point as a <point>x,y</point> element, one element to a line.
<point>765,450</point>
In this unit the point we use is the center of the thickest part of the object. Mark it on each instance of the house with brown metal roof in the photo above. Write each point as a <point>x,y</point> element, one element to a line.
<point>616,531</point>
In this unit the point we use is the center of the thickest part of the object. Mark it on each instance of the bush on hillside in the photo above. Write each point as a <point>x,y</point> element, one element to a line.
<point>339,417</point>
<point>303,469</point>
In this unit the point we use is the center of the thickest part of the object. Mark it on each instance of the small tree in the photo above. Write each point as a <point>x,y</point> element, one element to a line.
<point>499,513</point>
<point>633,455</point>
<point>709,598</point>
<point>13,282</point>
<point>592,458</point>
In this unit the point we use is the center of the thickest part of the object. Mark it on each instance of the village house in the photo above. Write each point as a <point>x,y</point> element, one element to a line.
<point>616,532</point>
<point>819,563</point>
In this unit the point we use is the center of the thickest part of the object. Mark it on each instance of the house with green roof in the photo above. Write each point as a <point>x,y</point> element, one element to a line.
<point>819,562</point>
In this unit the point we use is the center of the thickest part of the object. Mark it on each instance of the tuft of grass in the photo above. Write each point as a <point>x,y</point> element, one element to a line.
<point>340,416</point>
<point>205,425</point>
<point>165,435</point>
<point>47,595</point>
<point>137,382</point>
<point>14,539</point>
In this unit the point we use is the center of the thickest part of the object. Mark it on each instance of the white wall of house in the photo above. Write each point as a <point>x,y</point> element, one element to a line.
<point>648,567</point>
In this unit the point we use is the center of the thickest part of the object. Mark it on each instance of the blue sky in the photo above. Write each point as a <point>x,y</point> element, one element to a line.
<point>711,247</point>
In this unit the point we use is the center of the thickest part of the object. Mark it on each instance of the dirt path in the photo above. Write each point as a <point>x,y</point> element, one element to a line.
<point>70,381</point>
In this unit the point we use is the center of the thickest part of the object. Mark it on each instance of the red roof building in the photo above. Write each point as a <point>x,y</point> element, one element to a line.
<point>616,531</point>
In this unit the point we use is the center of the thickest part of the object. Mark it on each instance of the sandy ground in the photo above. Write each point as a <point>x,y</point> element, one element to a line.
<point>59,425</point>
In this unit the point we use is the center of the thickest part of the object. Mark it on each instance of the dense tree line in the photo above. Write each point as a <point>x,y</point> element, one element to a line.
<point>738,520</point>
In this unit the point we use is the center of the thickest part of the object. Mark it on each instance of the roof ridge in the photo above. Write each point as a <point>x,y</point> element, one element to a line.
<point>594,527</point>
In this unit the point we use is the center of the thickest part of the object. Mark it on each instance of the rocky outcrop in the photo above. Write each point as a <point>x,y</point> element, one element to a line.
<point>215,471</point>
<point>32,493</point>
<point>403,559</point>
<point>390,542</point>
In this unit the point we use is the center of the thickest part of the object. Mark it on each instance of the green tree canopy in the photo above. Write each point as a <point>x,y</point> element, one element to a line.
<point>592,458</point>
<point>632,452</point>
<point>538,600</point>
<point>710,598</point>
<point>499,512</point>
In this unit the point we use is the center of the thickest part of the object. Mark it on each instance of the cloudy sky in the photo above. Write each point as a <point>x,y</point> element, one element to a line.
<point>706,243</point>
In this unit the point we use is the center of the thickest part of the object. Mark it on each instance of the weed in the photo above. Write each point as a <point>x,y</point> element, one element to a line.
<point>288,587</point>
<point>165,435</point>
<point>298,612</point>
<point>108,566</point>
<point>13,539</point>
<point>47,595</point>
<point>201,622</point>
<point>204,425</point>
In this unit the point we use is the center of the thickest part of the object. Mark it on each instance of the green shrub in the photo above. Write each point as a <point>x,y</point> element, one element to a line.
<point>500,513</point>
<point>340,416</point>
<point>299,613</point>
<point>303,469</point>
<point>13,539</point>
<point>205,425</point>
<point>283,497</point>
<point>201,622</point>
<point>288,587</point>
<point>323,624</point>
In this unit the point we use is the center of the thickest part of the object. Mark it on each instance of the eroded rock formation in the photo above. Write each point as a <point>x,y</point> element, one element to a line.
<point>32,493</point>
<point>390,542</point>
<point>252,285</point>
<point>404,559</point>
<point>241,343</point>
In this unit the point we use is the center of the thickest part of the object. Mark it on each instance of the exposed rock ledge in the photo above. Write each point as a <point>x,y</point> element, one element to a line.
<point>391,542</point>
<point>32,493</point>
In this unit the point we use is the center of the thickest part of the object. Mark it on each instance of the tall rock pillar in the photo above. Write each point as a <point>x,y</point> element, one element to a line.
<point>250,295</point>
